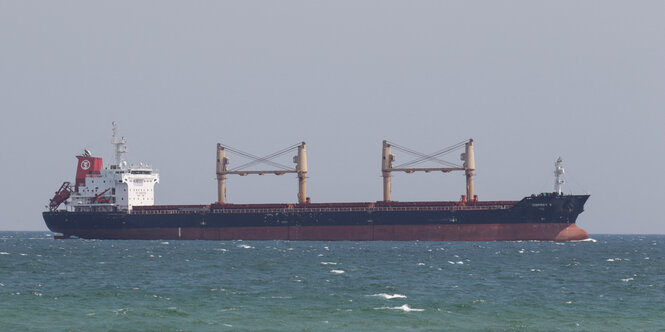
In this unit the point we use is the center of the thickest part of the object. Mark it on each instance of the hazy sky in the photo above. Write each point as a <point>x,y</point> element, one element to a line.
<point>528,80</point>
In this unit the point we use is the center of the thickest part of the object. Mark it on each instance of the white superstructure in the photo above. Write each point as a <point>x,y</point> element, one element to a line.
<point>117,187</point>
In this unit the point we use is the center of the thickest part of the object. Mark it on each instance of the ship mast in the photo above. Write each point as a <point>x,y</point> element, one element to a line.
<point>467,157</point>
<point>300,160</point>
<point>222,168</point>
<point>469,168</point>
<point>120,147</point>
<point>386,169</point>
<point>558,174</point>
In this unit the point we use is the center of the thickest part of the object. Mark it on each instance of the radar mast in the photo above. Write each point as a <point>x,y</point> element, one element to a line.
<point>120,147</point>
<point>558,173</point>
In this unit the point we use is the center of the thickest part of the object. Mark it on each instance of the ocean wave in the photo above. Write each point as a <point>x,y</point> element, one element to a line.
<point>615,259</point>
<point>586,240</point>
<point>337,271</point>
<point>404,307</point>
<point>245,246</point>
<point>388,296</point>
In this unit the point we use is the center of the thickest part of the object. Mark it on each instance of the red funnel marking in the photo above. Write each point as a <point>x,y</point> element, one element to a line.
<point>86,165</point>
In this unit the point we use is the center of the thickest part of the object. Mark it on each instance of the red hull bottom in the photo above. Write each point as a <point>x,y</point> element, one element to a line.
<point>469,232</point>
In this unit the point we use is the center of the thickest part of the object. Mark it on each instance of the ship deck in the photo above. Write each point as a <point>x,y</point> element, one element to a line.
<point>324,207</point>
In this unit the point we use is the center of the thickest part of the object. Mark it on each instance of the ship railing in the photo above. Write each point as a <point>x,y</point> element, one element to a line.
<point>326,209</point>
<point>363,209</point>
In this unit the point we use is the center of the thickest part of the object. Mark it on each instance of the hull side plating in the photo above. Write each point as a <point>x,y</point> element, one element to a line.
<point>544,217</point>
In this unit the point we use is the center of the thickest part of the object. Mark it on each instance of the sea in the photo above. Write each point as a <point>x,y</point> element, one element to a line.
<point>607,283</point>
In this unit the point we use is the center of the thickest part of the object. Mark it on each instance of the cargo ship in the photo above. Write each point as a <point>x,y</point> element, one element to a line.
<point>117,202</point>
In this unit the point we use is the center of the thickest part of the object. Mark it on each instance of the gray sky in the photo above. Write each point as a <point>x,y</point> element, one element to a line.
<point>528,80</point>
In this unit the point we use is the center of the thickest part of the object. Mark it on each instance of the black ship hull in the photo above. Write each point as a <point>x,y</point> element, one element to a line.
<point>542,217</point>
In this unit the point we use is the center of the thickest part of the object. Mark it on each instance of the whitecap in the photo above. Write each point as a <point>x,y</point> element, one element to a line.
<point>276,297</point>
<point>388,296</point>
<point>420,264</point>
<point>4,253</point>
<point>337,271</point>
<point>328,263</point>
<point>121,311</point>
<point>165,242</point>
<point>627,279</point>
<point>245,246</point>
<point>588,240</point>
<point>404,308</point>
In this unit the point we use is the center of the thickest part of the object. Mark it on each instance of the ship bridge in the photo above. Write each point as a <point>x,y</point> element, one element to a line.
<point>118,187</point>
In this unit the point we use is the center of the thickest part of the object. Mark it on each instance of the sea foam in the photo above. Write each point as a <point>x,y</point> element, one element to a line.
<point>404,307</point>
<point>388,296</point>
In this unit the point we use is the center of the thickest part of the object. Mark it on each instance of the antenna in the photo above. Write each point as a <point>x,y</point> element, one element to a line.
<point>120,147</point>
<point>558,173</point>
